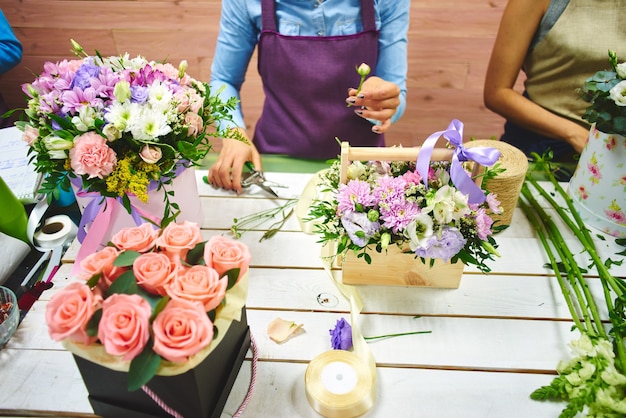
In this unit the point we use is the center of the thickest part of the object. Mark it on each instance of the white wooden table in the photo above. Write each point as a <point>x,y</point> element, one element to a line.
<point>494,340</point>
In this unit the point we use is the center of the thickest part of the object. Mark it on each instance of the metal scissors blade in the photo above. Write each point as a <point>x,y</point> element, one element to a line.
<point>257,178</point>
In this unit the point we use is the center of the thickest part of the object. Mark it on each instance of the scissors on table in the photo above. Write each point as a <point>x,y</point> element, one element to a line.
<point>257,178</point>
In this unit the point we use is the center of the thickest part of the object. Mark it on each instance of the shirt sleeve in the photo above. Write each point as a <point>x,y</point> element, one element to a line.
<point>236,41</point>
<point>10,46</point>
<point>392,54</point>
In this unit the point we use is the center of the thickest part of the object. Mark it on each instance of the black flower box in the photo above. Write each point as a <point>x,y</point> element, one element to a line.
<point>199,392</point>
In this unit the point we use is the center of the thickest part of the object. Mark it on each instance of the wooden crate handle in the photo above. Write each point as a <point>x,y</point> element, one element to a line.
<point>349,154</point>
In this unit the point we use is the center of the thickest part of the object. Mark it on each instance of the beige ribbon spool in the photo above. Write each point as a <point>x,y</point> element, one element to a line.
<point>339,384</point>
<point>508,184</point>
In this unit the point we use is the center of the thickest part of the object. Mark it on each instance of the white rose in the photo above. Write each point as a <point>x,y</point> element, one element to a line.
<point>618,93</point>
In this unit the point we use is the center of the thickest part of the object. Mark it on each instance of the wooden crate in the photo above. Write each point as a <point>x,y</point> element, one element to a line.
<point>396,266</point>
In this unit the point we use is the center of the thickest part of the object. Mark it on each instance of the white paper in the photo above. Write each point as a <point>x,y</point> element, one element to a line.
<point>12,252</point>
<point>15,169</point>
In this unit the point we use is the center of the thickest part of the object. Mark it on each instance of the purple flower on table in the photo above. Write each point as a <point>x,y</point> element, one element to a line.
<point>445,244</point>
<point>341,335</point>
<point>356,192</point>
<point>359,228</point>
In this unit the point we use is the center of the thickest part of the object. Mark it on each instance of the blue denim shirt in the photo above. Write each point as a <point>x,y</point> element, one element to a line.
<point>10,46</point>
<point>240,28</point>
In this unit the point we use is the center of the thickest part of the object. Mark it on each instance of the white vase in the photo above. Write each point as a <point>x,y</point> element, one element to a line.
<point>598,186</point>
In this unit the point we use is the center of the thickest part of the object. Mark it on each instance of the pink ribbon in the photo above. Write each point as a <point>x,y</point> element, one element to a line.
<point>486,156</point>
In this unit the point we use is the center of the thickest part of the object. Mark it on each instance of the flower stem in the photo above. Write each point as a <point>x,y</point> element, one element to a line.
<point>379,337</point>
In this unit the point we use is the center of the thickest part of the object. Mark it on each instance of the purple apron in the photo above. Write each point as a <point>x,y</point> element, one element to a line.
<point>305,80</point>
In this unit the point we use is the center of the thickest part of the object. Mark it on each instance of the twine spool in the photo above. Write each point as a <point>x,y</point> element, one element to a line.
<point>339,384</point>
<point>508,184</point>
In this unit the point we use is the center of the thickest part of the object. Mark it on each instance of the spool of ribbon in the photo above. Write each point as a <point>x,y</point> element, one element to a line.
<point>508,184</point>
<point>339,384</point>
<point>55,231</point>
<point>454,134</point>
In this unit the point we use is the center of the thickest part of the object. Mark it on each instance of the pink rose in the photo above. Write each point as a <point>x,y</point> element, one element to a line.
<point>69,311</point>
<point>151,154</point>
<point>182,98</point>
<point>124,328</point>
<point>181,330</point>
<point>91,155</point>
<point>178,238</point>
<point>101,262</point>
<point>223,254</point>
<point>200,284</point>
<point>194,124</point>
<point>30,135</point>
<point>140,238</point>
<point>154,272</point>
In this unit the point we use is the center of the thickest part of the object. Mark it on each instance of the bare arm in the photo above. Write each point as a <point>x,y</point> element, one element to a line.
<point>517,27</point>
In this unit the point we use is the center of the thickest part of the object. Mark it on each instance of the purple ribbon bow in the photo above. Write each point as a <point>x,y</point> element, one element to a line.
<point>462,181</point>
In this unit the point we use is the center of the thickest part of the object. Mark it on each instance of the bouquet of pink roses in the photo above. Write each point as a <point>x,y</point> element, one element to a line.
<point>153,302</point>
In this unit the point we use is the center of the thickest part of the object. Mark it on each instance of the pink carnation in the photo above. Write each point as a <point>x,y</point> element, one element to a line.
<point>92,156</point>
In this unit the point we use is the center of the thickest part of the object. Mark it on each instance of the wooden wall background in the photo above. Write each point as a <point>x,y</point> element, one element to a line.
<point>449,46</point>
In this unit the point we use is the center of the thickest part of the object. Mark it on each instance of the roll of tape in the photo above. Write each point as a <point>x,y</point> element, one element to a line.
<point>339,384</point>
<point>55,231</point>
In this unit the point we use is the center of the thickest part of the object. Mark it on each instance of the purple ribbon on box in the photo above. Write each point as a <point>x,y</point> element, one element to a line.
<point>486,156</point>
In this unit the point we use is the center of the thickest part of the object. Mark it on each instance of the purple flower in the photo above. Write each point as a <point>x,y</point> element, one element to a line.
<point>341,335</point>
<point>83,76</point>
<point>399,214</point>
<point>359,228</point>
<point>444,245</point>
<point>483,224</point>
<point>138,94</point>
<point>353,193</point>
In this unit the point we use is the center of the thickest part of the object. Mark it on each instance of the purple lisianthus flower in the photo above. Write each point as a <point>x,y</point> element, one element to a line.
<point>444,245</point>
<point>83,76</point>
<point>138,94</point>
<point>359,228</point>
<point>353,193</point>
<point>341,335</point>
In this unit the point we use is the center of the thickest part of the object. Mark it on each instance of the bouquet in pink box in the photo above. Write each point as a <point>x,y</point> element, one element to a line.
<point>118,127</point>
<point>153,302</point>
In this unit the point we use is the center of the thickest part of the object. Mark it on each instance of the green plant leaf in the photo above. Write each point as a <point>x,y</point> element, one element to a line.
<point>143,368</point>
<point>232,274</point>
<point>126,258</point>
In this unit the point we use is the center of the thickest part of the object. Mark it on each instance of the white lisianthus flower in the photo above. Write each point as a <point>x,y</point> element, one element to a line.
<point>618,93</point>
<point>120,114</point>
<point>442,205</point>
<point>85,119</point>
<point>122,91</point>
<point>57,147</point>
<point>111,132</point>
<point>419,230</point>
<point>355,170</point>
<point>621,70</point>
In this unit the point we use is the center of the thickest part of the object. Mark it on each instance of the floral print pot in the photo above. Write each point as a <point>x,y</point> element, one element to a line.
<point>598,187</point>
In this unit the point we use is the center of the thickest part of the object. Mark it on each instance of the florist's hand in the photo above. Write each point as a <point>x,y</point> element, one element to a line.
<point>378,100</point>
<point>578,138</point>
<point>226,172</point>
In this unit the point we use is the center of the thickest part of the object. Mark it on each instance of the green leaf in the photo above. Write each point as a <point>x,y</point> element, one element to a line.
<point>126,259</point>
<point>621,241</point>
<point>94,321</point>
<point>160,305</point>
<point>196,255</point>
<point>232,274</point>
<point>125,284</point>
<point>93,281</point>
<point>143,368</point>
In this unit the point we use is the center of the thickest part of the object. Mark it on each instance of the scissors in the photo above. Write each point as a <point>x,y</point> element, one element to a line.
<point>257,178</point>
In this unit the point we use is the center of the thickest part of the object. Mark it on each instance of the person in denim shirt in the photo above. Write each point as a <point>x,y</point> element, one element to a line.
<point>307,54</point>
<point>10,55</point>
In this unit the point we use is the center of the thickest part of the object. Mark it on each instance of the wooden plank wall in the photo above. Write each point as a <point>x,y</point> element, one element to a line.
<point>449,46</point>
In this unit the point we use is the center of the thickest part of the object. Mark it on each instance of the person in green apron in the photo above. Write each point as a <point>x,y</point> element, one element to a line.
<point>307,55</point>
<point>558,44</point>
